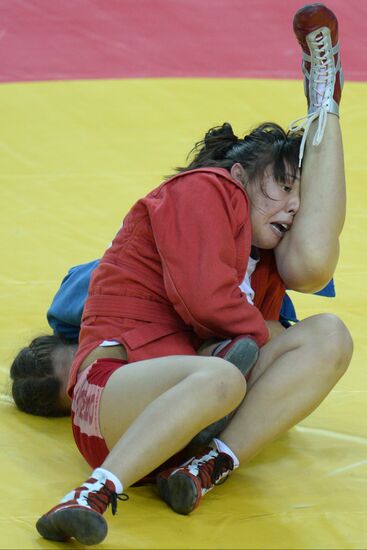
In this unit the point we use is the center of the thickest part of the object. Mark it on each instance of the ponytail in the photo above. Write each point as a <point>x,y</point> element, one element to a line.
<point>266,145</point>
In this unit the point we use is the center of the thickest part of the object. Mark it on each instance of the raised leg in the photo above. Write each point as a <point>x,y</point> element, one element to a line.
<point>308,254</point>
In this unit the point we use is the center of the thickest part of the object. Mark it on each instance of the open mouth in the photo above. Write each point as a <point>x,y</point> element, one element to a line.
<point>280,228</point>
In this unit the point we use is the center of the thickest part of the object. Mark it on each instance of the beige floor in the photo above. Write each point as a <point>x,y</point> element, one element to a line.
<point>74,156</point>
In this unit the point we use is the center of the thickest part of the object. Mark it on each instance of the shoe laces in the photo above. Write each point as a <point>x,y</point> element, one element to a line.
<point>211,471</point>
<point>322,84</point>
<point>100,499</point>
<point>323,66</point>
<point>223,465</point>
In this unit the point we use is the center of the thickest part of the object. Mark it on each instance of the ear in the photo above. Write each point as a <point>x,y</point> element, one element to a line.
<point>238,173</point>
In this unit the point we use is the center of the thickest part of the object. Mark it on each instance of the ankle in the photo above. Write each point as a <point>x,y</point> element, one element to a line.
<point>222,447</point>
<point>103,474</point>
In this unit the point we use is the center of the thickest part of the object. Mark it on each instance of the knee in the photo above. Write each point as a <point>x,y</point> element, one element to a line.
<point>226,382</point>
<point>335,342</point>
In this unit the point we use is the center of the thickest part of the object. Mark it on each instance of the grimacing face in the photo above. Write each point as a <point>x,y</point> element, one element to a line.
<point>273,206</point>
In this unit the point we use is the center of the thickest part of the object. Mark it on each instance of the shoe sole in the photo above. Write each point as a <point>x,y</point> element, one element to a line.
<point>243,355</point>
<point>86,526</point>
<point>163,490</point>
<point>182,493</point>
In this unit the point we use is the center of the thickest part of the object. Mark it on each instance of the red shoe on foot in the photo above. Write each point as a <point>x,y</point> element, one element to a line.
<point>79,513</point>
<point>182,488</point>
<point>316,29</point>
<point>242,352</point>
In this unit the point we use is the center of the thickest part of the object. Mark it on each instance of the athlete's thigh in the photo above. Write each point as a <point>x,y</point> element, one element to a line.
<point>131,388</point>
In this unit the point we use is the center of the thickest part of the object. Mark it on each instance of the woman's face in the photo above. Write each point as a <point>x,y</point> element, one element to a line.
<point>273,206</point>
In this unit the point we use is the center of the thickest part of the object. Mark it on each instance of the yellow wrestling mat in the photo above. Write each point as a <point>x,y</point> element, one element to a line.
<point>74,157</point>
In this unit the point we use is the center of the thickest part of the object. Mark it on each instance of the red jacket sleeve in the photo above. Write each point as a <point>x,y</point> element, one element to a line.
<point>268,286</point>
<point>201,228</point>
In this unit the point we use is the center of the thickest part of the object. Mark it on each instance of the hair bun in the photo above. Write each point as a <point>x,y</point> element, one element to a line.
<point>221,132</point>
<point>24,364</point>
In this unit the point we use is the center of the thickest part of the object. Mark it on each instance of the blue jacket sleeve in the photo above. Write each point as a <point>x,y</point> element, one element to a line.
<point>65,312</point>
<point>288,313</point>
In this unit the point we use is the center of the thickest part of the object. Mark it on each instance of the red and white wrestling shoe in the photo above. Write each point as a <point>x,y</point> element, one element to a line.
<point>316,29</point>
<point>79,513</point>
<point>182,488</point>
<point>242,352</point>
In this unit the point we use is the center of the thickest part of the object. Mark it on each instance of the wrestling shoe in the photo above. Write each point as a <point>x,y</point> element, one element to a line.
<point>316,29</point>
<point>79,513</point>
<point>182,488</point>
<point>242,352</point>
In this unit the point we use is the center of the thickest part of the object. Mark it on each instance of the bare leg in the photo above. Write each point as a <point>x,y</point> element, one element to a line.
<point>308,253</point>
<point>152,409</point>
<point>312,244</point>
<point>149,411</point>
<point>294,373</point>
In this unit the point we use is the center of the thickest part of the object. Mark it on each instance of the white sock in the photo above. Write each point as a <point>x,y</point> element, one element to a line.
<point>108,475</point>
<point>223,448</point>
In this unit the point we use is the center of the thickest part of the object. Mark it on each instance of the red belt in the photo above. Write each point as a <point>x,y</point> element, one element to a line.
<point>132,308</point>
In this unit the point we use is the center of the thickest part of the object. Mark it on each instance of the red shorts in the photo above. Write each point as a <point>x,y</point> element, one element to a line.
<point>139,344</point>
<point>88,390</point>
<point>85,409</point>
<point>85,416</point>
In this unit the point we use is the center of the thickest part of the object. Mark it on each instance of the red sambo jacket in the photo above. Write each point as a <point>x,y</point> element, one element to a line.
<point>177,264</point>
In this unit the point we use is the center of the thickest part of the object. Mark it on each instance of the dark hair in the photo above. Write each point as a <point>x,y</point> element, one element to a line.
<point>35,387</point>
<point>267,145</point>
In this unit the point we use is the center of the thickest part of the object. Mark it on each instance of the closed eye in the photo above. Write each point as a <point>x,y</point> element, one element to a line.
<point>288,184</point>
<point>286,188</point>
